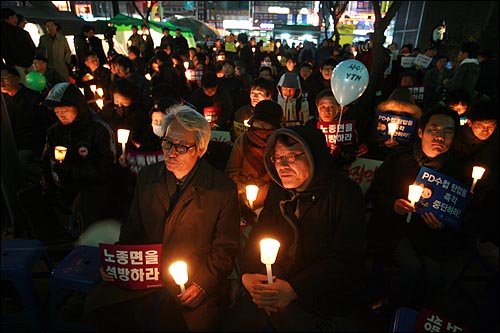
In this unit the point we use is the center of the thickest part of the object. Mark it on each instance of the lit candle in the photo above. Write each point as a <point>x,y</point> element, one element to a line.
<point>268,251</point>
<point>100,103</point>
<point>208,118</point>
<point>279,58</point>
<point>392,129</point>
<point>82,91</point>
<point>100,92</point>
<point>123,138</point>
<point>93,88</point>
<point>477,173</point>
<point>414,193</point>
<point>148,76</point>
<point>178,270</point>
<point>253,49</point>
<point>60,153</point>
<point>252,191</point>
<point>186,64</point>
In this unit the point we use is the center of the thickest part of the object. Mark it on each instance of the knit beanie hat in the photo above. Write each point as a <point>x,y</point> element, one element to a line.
<point>268,111</point>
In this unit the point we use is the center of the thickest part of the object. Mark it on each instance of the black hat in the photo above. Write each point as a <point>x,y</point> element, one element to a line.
<point>41,57</point>
<point>268,111</point>
<point>64,94</point>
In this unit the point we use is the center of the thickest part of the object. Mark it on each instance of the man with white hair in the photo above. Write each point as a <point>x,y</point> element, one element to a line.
<point>193,210</point>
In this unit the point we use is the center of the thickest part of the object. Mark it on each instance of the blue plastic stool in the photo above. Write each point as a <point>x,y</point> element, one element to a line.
<point>78,271</point>
<point>404,320</point>
<point>19,257</point>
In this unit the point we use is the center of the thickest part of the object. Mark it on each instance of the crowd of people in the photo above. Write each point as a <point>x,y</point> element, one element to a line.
<point>169,183</point>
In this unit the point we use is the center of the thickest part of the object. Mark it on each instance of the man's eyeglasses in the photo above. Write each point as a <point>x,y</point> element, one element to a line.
<point>181,149</point>
<point>288,158</point>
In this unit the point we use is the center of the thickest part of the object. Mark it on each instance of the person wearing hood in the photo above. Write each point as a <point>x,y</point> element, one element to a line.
<point>79,184</point>
<point>400,103</point>
<point>468,70</point>
<point>294,104</point>
<point>318,216</point>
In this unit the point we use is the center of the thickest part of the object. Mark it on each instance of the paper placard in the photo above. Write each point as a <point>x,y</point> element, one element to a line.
<point>133,266</point>
<point>221,136</point>
<point>443,196</point>
<point>407,62</point>
<point>404,132</point>
<point>136,160</point>
<point>338,134</point>
<point>422,60</point>
<point>362,171</point>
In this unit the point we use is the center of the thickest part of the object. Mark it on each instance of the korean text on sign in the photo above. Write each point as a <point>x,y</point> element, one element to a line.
<point>133,266</point>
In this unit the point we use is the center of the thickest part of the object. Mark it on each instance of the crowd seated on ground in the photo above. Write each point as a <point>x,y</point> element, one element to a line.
<point>261,128</point>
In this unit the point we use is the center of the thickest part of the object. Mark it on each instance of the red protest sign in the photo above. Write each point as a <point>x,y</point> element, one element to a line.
<point>430,321</point>
<point>133,266</point>
<point>212,113</point>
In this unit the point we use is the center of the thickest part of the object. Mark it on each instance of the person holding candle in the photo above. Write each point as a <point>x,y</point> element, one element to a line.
<point>477,145</point>
<point>193,210</point>
<point>95,74</point>
<point>318,216</point>
<point>402,104</point>
<point>125,111</point>
<point>80,185</point>
<point>211,95</point>
<point>246,166</point>
<point>420,248</point>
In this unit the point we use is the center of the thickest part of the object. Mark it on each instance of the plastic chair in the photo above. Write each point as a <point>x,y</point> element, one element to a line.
<point>19,257</point>
<point>404,320</point>
<point>78,271</point>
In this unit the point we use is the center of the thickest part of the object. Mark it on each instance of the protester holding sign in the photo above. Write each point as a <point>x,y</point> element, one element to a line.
<point>417,249</point>
<point>341,136</point>
<point>191,209</point>
<point>214,102</point>
<point>399,108</point>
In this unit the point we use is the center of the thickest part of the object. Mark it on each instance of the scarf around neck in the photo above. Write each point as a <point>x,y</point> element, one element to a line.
<point>254,146</point>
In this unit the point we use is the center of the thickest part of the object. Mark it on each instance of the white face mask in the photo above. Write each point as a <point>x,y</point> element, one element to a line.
<point>158,131</point>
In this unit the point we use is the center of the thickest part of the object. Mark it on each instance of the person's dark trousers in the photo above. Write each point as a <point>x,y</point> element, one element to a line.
<point>157,312</point>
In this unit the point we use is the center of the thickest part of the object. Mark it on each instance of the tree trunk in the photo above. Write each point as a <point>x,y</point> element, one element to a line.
<point>377,70</point>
